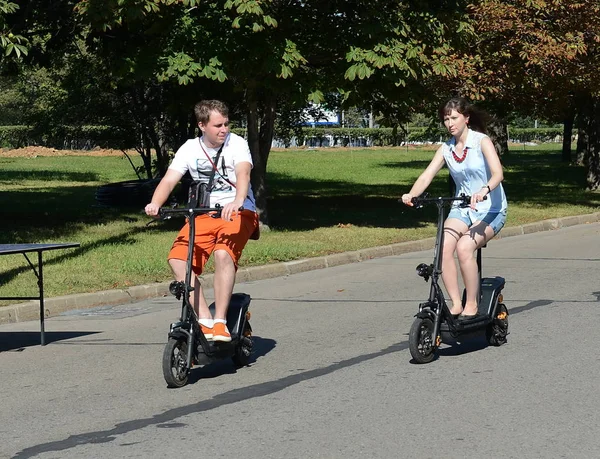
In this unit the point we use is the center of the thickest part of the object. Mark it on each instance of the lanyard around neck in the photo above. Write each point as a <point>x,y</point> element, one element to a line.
<point>214,166</point>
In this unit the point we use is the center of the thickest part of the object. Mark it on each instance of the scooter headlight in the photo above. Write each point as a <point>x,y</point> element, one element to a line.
<point>424,271</point>
<point>177,288</point>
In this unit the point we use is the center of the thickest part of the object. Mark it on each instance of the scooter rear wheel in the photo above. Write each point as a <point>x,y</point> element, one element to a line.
<point>498,330</point>
<point>243,350</point>
<point>421,341</point>
<point>175,368</point>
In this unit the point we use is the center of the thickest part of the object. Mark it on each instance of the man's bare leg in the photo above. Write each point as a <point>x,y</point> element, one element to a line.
<point>223,285</point>
<point>223,282</point>
<point>197,298</point>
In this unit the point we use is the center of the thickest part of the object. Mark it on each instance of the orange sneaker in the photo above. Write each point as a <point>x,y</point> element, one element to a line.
<point>208,332</point>
<point>220,332</point>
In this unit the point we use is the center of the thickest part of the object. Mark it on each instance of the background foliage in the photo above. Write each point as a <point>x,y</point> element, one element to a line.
<point>140,65</point>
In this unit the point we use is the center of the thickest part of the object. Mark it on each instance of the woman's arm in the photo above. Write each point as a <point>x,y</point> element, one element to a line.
<point>493,161</point>
<point>425,178</point>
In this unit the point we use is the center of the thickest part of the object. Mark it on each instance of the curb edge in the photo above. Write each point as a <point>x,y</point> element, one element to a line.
<point>56,305</point>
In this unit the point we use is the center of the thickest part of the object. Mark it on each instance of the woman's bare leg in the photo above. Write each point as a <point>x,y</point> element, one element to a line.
<point>453,230</point>
<point>477,236</point>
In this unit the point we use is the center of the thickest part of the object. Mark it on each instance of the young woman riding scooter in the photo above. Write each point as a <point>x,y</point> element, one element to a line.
<point>477,172</point>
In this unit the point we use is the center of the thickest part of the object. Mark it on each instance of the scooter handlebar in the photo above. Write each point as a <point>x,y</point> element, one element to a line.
<point>423,199</point>
<point>164,213</point>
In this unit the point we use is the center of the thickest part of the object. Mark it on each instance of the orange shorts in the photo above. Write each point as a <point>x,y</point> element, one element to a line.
<point>215,234</point>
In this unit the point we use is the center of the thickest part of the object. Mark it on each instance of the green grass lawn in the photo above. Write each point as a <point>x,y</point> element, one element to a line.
<point>322,202</point>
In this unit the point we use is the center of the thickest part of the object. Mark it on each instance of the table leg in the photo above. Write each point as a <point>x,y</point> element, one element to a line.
<point>41,287</point>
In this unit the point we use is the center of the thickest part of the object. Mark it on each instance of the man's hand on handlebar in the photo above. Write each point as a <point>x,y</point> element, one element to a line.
<point>407,199</point>
<point>152,210</point>
<point>230,210</point>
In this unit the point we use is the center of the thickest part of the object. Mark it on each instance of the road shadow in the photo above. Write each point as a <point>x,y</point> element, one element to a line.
<point>455,348</point>
<point>467,346</point>
<point>260,348</point>
<point>18,341</point>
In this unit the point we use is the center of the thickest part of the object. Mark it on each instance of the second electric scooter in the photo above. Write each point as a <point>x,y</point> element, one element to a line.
<point>433,323</point>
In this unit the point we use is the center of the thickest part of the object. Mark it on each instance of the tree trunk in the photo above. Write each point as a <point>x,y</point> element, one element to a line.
<point>583,121</point>
<point>146,135</point>
<point>593,150</point>
<point>162,156</point>
<point>498,132</point>
<point>567,136</point>
<point>261,125</point>
<point>192,126</point>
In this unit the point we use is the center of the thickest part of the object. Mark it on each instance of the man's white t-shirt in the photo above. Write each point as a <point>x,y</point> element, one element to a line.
<point>193,156</point>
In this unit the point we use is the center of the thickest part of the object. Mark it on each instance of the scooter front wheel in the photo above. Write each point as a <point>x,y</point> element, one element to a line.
<point>175,367</point>
<point>421,341</point>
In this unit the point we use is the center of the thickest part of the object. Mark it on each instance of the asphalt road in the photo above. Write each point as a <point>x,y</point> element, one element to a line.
<point>332,376</point>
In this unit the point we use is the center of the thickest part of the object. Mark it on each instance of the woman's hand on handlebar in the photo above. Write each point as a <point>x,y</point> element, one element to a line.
<point>477,197</point>
<point>152,209</point>
<point>407,199</point>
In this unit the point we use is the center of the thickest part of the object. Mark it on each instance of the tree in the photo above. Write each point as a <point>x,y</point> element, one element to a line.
<point>409,57</point>
<point>539,57</point>
<point>13,45</point>
<point>529,57</point>
<point>149,61</point>
<point>158,57</point>
<point>313,49</point>
<point>185,50</point>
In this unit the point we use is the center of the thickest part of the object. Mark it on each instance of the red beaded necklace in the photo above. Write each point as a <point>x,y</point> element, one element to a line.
<point>462,158</point>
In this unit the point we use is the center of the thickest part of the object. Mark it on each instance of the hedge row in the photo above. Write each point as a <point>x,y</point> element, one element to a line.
<point>66,137</point>
<point>324,136</point>
<point>89,137</point>
<point>532,134</point>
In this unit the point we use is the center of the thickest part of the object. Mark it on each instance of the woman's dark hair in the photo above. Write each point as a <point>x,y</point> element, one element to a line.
<point>477,118</point>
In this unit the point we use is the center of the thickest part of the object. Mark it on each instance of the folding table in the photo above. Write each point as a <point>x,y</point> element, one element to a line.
<point>9,249</point>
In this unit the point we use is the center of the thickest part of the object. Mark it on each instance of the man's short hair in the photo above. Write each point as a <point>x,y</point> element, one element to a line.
<point>203,109</point>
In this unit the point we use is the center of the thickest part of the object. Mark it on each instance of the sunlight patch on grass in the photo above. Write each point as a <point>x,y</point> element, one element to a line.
<point>321,202</point>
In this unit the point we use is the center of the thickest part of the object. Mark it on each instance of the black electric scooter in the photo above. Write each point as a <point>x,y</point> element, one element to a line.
<point>187,345</point>
<point>434,323</point>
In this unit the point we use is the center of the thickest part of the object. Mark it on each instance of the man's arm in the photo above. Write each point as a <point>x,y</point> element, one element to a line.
<point>163,191</point>
<point>242,175</point>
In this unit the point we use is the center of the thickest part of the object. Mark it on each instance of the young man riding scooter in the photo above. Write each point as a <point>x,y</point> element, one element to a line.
<point>222,161</point>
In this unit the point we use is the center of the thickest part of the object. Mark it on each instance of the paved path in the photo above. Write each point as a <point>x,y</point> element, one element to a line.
<point>332,376</point>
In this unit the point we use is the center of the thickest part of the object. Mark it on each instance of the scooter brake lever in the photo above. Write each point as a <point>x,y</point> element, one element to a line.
<point>417,203</point>
<point>217,214</point>
<point>156,220</point>
<point>466,200</point>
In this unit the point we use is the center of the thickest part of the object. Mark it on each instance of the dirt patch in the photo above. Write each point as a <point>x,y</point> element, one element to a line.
<point>33,152</point>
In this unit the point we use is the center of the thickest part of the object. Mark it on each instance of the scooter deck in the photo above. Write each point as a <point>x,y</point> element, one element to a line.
<point>238,306</point>
<point>490,289</point>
